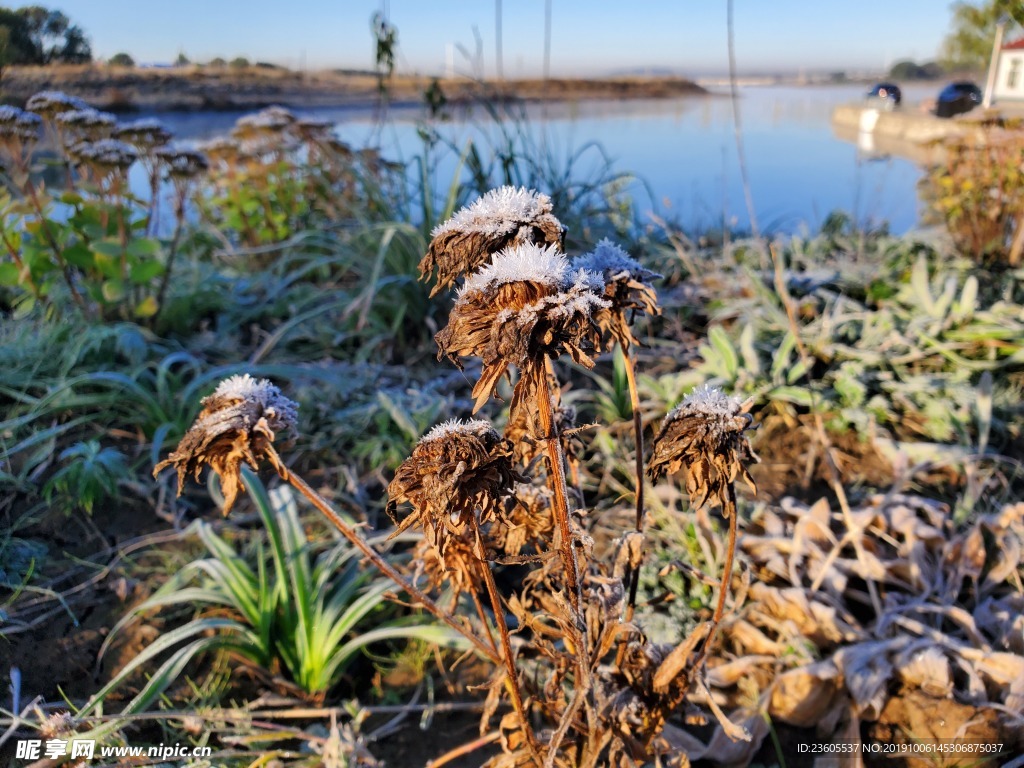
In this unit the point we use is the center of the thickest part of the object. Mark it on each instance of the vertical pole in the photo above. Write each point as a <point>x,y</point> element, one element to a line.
<point>993,64</point>
<point>497,38</point>
<point>547,39</point>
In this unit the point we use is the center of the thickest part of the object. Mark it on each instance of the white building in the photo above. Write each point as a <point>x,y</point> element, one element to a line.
<point>1009,80</point>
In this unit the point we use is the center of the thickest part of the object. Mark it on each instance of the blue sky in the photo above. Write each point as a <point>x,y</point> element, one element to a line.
<point>588,36</point>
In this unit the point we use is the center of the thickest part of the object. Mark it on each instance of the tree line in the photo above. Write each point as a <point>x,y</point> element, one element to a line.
<point>38,35</point>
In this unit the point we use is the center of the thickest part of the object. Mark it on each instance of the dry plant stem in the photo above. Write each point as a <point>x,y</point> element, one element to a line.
<point>557,468</point>
<point>483,618</point>
<point>179,214</point>
<point>638,433</point>
<point>30,188</point>
<point>464,749</point>
<point>506,647</point>
<point>349,533</point>
<point>819,426</point>
<point>723,587</point>
<point>1017,246</point>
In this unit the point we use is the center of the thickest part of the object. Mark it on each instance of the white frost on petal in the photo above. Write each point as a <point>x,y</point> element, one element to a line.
<point>455,426</point>
<point>710,401</point>
<point>610,260</point>
<point>106,152</point>
<point>269,119</point>
<point>498,212</point>
<point>46,101</point>
<point>520,263</point>
<point>262,391</point>
<point>88,118</point>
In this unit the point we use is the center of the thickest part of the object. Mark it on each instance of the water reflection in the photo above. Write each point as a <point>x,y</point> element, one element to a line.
<point>682,149</point>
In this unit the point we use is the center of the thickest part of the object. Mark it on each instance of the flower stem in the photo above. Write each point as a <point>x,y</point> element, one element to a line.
<point>723,588</point>
<point>556,462</point>
<point>638,434</point>
<point>506,644</point>
<point>383,565</point>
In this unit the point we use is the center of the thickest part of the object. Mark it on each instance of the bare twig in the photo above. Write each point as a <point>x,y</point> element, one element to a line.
<point>383,565</point>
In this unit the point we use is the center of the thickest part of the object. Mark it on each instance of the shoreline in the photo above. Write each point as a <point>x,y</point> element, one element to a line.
<point>205,89</point>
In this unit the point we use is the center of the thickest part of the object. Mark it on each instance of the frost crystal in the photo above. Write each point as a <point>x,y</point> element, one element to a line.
<point>86,118</point>
<point>610,260</point>
<point>259,391</point>
<point>498,212</point>
<point>269,119</point>
<point>106,152</point>
<point>54,102</point>
<point>520,264</point>
<point>183,163</point>
<point>456,426</point>
<point>708,401</point>
<point>15,123</point>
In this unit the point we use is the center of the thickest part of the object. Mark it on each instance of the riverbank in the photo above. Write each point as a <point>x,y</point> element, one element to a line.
<point>913,131</point>
<point>193,88</point>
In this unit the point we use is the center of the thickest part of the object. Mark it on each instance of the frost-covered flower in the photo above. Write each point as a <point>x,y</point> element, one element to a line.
<point>525,306</point>
<point>52,103</point>
<point>458,469</point>
<point>312,129</point>
<point>705,436</point>
<point>628,288</point>
<point>183,163</point>
<point>502,218</point>
<point>85,125</point>
<point>237,424</point>
<point>18,128</point>
<point>145,135</point>
<point>108,154</point>
<point>266,123</point>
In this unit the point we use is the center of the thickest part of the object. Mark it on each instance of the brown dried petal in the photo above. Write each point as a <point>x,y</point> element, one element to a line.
<point>237,424</point>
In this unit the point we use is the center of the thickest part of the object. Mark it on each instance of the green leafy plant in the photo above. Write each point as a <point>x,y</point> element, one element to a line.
<point>285,609</point>
<point>978,191</point>
<point>89,475</point>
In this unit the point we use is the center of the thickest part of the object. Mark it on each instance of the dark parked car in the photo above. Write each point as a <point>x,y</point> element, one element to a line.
<point>957,98</point>
<point>887,93</point>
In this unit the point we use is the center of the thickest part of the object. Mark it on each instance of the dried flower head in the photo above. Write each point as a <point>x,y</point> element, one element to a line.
<point>52,103</point>
<point>237,424</point>
<point>706,437</point>
<point>458,470</point>
<point>222,149</point>
<point>183,163</point>
<point>85,125</point>
<point>266,125</point>
<point>144,135</point>
<point>105,154</point>
<point>19,130</point>
<point>312,129</point>
<point>523,307</point>
<point>627,285</point>
<point>502,218</point>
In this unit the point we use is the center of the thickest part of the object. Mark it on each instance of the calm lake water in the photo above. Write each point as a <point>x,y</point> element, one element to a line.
<point>684,152</point>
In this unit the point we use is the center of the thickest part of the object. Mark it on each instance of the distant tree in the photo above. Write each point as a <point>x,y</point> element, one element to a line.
<point>76,48</point>
<point>217,62</point>
<point>5,44</point>
<point>55,38</point>
<point>969,44</point>
<point>239,62</point>
<point>182,60</point>
<point>37,35</point>
<point>121,60</point>
<point>906,70</point>
<point>21,48</point>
